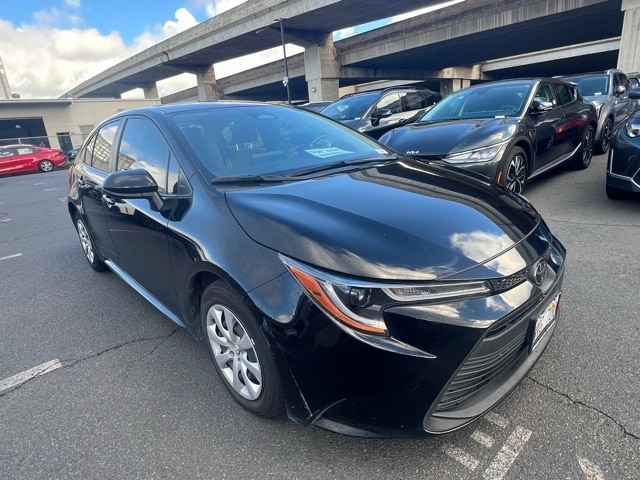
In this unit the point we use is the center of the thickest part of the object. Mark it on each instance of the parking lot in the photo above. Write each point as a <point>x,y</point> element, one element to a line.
<point>124,393</point>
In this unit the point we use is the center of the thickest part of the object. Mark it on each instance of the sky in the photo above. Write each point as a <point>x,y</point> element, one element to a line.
<point>50,46</point>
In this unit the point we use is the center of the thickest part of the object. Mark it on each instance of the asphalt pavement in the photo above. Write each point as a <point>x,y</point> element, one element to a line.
<point>122,392</point>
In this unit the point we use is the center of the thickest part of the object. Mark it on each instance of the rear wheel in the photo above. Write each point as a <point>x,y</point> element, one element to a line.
<point>88,247</point>
<point>240,351</point>
<point>513,175</point>
<point>46,165</point>
<point>605,138</point>
<point>585,154</point>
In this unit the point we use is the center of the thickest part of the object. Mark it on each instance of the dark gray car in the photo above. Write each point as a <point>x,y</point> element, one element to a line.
<point>376,112</point>
<point>609,93</point>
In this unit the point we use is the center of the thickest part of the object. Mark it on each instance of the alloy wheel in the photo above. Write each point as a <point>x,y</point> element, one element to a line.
<point>234,352</point>
<point>46,165</point>
<point>85,241</point>
<point>516,174</point>
<point>607,130</point>
<point>587,147</point>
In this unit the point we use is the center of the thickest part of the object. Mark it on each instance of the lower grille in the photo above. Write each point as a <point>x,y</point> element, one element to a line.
<point>483,369</point>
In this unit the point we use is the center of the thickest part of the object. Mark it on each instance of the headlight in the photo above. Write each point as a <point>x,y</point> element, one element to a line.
<point>358,305</point>
<point>485,154</point>
<point>633,127</point>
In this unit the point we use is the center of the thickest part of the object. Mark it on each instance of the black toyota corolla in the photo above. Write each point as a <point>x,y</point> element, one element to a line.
<point>362,292</point>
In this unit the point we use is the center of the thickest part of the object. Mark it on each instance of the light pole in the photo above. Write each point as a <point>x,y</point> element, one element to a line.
<point>286,65</point>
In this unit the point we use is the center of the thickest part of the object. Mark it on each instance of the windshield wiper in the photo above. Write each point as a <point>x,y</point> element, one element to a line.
<point>250,179</point>
<point>343,163</point>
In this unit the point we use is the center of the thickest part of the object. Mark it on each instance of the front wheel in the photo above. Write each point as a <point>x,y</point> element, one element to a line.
<point>585,153</point>
<point>605,137</point>
<point>46,165</point>
<point>513,174</point>
<point>240,351</point>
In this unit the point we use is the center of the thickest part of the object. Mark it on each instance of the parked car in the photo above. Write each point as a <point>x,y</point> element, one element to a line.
<point>623,167</point>
<point>608,91</point>
<point>71,154</point>
<point>243,232</point>
<point>27,158</point>
<point>378,111</point>
<point>508,131</point>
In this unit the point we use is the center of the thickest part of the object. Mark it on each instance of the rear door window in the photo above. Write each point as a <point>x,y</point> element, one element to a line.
<point>98,153</point>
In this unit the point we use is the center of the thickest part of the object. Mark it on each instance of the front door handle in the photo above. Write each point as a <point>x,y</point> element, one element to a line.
<point>108,201</point>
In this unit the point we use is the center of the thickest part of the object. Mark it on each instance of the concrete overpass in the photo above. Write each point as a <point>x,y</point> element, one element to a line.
<point>446,49</point>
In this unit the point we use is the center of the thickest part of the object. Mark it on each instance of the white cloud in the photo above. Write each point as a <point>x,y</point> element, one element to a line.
<point>72,3</point>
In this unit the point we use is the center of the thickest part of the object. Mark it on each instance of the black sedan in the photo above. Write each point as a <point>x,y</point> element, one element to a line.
<point>364,293</point>
<point>623,167</point>
<point>509,131</point>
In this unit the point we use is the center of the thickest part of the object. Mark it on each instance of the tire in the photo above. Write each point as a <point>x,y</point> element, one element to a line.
<point>513,174</point>
<point>584,155</point>
<point>88,246</point>
<point>240,351</point>
<point>46,165</point>
<point>616,193</point>
<point>605,139</point>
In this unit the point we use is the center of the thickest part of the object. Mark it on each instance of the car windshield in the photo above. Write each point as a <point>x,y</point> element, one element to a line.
<point>591,85</point>
<point>350,108</point>
<point>484,101</point>
<point>248,140</point>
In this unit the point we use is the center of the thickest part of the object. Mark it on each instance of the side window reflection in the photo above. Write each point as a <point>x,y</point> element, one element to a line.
<point>143,146</point>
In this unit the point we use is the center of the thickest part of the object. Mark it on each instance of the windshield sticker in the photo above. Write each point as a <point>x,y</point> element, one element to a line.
<point>326,152</point>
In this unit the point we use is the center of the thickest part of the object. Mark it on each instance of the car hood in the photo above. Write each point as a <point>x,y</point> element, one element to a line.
<point>403,221</point>
<point>442,138</point>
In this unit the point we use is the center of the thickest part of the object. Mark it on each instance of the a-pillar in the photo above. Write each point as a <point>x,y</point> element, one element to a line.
<point>322,70</point>
<point>629,56</point>
<point>150,91</point>
<point>207,86</point>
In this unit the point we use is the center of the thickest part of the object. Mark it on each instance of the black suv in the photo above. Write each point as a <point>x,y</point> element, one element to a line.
<point>378,111</point>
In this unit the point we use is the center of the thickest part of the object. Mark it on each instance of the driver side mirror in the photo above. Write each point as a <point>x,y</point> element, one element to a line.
<point>620,90</point>
<point>540,106</point>
<point>378,114</point>
<point>134,183</point>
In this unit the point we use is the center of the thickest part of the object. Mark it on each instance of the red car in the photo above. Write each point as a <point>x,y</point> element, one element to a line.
<point>26,158</point>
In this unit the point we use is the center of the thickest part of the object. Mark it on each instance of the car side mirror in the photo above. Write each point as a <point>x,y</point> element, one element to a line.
<point>540,106</point>
<point>378,114</point>
<point>134,183</point>
<point>620,90</point>
<point>635,94</point>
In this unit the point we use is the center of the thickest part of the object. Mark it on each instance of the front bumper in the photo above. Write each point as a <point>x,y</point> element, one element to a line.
<point>480,348</point>
<point>623,165</point>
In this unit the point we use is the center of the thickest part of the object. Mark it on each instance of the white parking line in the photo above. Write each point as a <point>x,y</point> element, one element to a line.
<point>63,199</point>
<point>461,456</point>
<point>50,189</point>
<point>483,439</point>
<point>22,377</point>
<point>507,454</point>
<point>590,469</point>
<point>11,256</point>
<point>38,184</point>
<point>5,220</point>
<point>497,420</point>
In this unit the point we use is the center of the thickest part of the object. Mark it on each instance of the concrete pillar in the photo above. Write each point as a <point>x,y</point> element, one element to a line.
<point>207,86</point>
<point>322,70</point>
<point>150,90</point>
<point>450,85</point>
<point>629,56</point>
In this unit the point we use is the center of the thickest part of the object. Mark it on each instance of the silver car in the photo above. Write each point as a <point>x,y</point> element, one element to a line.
<point>609,92</point>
